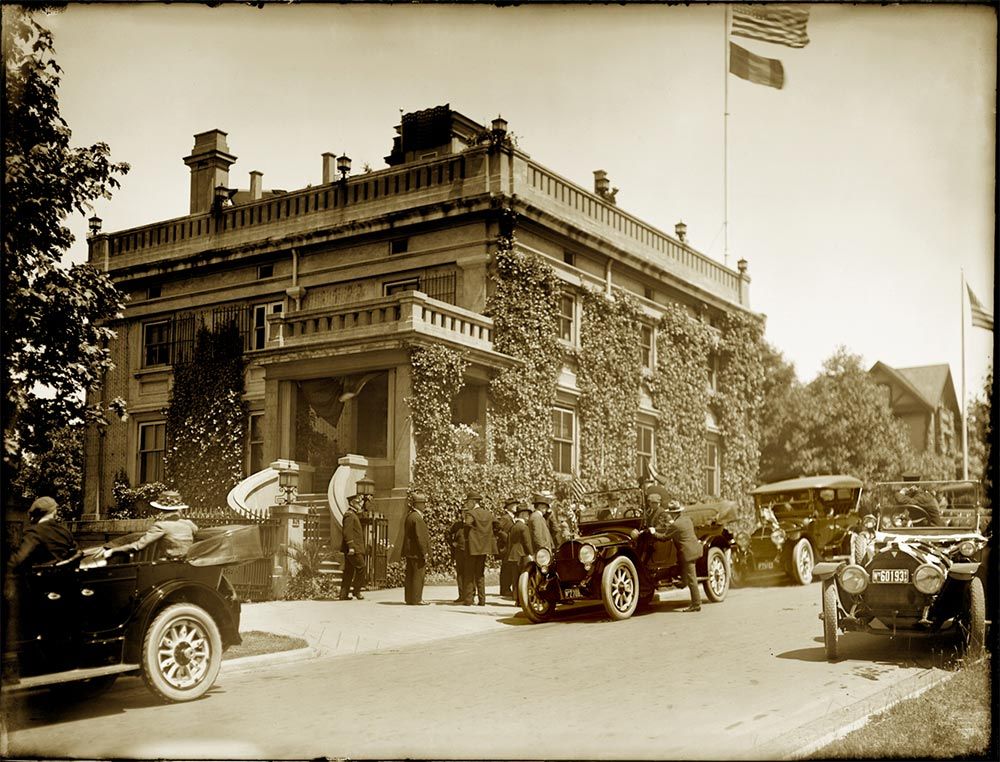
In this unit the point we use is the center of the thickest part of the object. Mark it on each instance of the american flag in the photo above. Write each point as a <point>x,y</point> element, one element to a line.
<point>780,24</point>
<point>578,489</point>
<point>980,317</point>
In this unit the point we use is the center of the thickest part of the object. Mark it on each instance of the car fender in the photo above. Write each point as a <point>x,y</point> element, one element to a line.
<point>965,570</point>
<point>826,569</point>
<point>175,590</point>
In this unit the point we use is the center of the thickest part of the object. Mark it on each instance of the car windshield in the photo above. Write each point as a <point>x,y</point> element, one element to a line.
<point>952,505</point>
<point>603,506</point>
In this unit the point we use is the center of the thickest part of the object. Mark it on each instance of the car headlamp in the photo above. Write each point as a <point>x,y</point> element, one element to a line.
<point>928,579</point>
<point>778,537</point>
<point>743,541</point>
<point>854,579</point>
<point>543,557</point>
<point>967,548</point>
<point>587,554</point>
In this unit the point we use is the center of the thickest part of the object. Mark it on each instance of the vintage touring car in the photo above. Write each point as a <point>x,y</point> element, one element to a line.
<point>922,571</point>
<point>799,521</point>
<point>81,623</point>
<point>616,560</point>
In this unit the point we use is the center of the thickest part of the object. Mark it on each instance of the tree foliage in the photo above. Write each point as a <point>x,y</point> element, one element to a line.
<point>781,390</point>
<point>207,419</point>
<point>54,331</point>
<point>980,427</point>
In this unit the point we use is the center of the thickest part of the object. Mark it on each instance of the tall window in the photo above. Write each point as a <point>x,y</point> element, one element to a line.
<point>713,372</point>
<point>712,470</point>
<point>562,440</point>
<point>646,345</point>
<point>567,323</point>
<point>261,330</point>
<point>255,443</point>
<point>156,344</point>
<point>643,449</point>
<point>152,444</point>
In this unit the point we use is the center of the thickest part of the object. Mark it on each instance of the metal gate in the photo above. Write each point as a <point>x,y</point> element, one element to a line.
<point>376,528</point>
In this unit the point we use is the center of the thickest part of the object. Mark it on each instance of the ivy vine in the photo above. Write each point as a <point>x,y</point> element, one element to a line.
<point>608,378</point>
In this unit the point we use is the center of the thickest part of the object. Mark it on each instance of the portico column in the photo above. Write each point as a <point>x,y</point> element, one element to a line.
<point>403,448</point>
<point>279,419</point>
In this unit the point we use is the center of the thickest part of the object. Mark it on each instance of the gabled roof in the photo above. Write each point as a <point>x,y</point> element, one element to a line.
<point>931,385</point>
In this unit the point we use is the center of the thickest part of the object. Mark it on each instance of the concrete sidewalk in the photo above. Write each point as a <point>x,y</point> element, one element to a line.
<point>380,621</point>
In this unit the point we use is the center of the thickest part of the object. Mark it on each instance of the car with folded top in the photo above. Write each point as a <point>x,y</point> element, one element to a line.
<point>615,559</point>
<point>80,623</point>
<point>921,573</point>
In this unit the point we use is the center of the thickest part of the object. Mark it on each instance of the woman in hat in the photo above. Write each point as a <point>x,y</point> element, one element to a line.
<point>176,532</point>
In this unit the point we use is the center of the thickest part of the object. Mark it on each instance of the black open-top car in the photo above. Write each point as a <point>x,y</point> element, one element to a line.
<point>616,560</point>
<point>920,573</point>
<point>86,620</point>
<point>799,521</point>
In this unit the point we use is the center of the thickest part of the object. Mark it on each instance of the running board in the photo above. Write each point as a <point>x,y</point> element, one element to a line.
<point>71,676</point>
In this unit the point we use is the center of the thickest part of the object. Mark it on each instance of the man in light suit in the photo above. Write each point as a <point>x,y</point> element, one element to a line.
<point>416,547</point>
<point>481,544</point>
<point>501,529</point>
<point>674,527</point>
<point>354,548</point>
<point>538,525</point>
<point>519,547</point>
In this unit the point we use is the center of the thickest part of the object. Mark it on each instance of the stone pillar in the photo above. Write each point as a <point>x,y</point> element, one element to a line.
<point>291,534</point>
<point>403,447</point>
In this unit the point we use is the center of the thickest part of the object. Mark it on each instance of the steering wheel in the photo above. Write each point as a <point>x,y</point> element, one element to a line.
<point>909,515</point>
<point>632,513</point>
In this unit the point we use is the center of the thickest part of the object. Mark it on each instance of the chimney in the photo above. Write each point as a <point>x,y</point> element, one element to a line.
<point>329,168</point>
<point>256,185</point>
<point>210,161</point>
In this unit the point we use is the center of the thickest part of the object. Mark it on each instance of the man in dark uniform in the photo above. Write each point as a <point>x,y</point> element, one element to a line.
<point>538,525</point>
<point>353,546</point>
<point>458,540</point>
<point>679,529</point>
<point>519,547</point>
<point>46,540</point>
<point>501,529</point>
<point>416,546</point>
<point>481,544</point>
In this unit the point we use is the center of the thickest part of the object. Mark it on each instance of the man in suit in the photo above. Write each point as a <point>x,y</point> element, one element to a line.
<point>519,547</point>
<point>46,540</point>
<point>354,548</point>
<point>674,527</point>
<point>416,547</point>
<point>457,537</point>
<point>538,525</point>
<point>481,544</point>
<point>501,529</point>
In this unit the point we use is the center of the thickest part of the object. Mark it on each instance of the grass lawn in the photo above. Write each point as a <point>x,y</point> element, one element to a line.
<point>950,720</point>
<point>256,643</point>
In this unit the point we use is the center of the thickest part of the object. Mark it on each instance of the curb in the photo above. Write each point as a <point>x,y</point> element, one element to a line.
<point>806,740</point>
<point>245,663</point>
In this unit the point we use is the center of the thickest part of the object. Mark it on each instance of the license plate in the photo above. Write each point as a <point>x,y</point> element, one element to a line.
<point>891,576</point>
<point>765,565</point>
<point>571,592</point>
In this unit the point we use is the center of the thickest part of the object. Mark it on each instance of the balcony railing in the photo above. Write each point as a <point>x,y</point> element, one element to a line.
<point>407,312</point>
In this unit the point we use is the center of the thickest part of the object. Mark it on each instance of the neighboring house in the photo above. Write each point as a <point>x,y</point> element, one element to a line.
<point>924,398</point>
<point>332,283</point>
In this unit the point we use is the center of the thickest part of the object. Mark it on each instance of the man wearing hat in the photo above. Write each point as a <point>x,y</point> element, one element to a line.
<point>678,528</point>
<point>416,546</point>
<point>46,540</point>
<point>501,530</point>
<point>176,532</point>
<point>354,549</point>
<point>481,544</point>
<point>519,546</point>
<point>538,525</point>
<point>458,541</point>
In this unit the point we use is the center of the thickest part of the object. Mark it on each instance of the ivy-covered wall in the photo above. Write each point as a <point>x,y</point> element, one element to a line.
<point>608,378</point>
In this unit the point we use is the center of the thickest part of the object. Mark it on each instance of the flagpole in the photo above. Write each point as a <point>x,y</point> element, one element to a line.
<point>725,138</point>
<point>965,430</point>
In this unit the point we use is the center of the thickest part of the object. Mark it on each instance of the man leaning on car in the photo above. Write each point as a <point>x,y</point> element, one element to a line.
<point>671,525</point>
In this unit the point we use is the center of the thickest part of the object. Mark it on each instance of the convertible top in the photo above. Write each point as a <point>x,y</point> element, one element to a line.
<point>833,481</point>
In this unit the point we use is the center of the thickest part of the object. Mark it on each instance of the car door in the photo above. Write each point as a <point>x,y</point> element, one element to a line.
<point>106,596</point>
<point>43,621</point>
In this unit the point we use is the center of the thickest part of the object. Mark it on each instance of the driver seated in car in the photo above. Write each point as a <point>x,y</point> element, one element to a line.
<point>930,510</point>
<point>174,532</point>
<point>47,540</point>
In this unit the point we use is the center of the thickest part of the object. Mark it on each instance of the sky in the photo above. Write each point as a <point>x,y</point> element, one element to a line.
<point>858,194</point>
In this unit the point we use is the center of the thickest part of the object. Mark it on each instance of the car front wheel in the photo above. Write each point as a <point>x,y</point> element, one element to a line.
<point>536,608</point>
<point>620,588</point>
<point>830,620</point>
<point>717,582</point>
<point>802,562</point>
<point>182,653</point>
<point>975,619</point>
